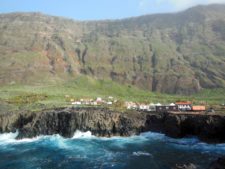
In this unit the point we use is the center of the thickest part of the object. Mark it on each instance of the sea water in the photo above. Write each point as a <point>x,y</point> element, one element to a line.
<point>85,151</point>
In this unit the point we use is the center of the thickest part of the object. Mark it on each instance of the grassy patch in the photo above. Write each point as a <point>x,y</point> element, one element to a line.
<point>26,99</point>
<point>21,97</point>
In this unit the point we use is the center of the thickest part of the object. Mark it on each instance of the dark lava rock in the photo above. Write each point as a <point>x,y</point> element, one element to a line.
<point>185,166</point>
<point>218,164</point>
<point>105,122</point>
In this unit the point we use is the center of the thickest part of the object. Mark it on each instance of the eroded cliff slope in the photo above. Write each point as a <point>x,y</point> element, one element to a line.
<point>173,53</point>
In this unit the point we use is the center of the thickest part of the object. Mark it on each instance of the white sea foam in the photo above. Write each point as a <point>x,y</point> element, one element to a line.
<point>141,153</point>
<point>28,140</point>
<point>120,142</point>
<point>79,134</point>
<point>8,136</point>
<point>56,141</point>
<point>153,136</point>
<point>52,140</point>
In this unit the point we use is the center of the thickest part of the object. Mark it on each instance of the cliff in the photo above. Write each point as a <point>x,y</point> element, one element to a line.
<point>101,122</point>
<point>172,53</point>
<point>209,128</point>
<point>104,122</point>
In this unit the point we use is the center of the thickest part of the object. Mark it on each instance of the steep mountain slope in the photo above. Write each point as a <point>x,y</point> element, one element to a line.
<point>172,53</point>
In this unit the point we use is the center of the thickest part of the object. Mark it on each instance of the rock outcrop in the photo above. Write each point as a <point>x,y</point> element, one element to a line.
<point>218,164</point>
<point>100,121</point>
<point>209,128</point>
<point>105,122</point>
<point>186,166</point>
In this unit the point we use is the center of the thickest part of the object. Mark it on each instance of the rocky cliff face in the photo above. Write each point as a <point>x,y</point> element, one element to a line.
<point>101,122</point>
<point>104,122</point>
<point>218,164</point>
<point>173,53</point>
<point>207,127</point>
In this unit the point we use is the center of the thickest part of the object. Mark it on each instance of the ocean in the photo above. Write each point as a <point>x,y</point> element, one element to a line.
<point>84,151</point>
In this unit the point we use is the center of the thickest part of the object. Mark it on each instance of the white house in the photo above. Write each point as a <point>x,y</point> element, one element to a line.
<point>184,106</point>
<point>109,103</point>
<point>152,107</point>
<point>94,103</point>
<point>99,99</point>
<point>131,105</point>
<point>76,103</point>
<point>144,107</point>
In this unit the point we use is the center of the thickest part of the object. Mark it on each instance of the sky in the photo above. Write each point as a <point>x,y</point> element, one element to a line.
<point>99,9</point>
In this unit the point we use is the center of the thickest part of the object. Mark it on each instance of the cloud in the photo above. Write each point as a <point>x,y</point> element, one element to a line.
<point>173,5</point>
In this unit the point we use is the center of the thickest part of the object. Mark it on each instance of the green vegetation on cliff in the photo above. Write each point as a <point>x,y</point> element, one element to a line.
<point>178,53</point>
<point>26,97</point>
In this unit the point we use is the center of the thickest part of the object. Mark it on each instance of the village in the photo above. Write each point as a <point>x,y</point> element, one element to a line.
<point>179,106</point>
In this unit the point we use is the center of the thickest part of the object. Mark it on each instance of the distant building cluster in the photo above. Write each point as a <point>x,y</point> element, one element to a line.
<point>158,107</point>
<point>178,106</point>
<point>94,102</point>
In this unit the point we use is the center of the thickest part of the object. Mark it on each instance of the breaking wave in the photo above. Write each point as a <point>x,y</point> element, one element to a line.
<point>79,134</point>
<point>84,150</point>
<point>8,136</point>
<point>193,143</point>
<point>190,143</point>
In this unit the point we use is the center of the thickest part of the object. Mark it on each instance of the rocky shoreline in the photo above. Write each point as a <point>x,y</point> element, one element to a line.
<point>105,122</point>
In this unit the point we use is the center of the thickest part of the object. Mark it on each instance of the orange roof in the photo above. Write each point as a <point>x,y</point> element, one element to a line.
<point>184,102</point>
<point>198,107</point>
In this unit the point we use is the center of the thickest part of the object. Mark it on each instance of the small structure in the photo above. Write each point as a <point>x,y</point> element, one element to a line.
<point>143,107</point>
<point>109,103</point>
<point>76,103</point>
<point>152,107</point>
<point>184,105</point>
<point>94,103</point>
<point>131,105</point>
<point>166,108</point>
<point>198,108</point>
<point>210,110</point>
<point>99,99</point>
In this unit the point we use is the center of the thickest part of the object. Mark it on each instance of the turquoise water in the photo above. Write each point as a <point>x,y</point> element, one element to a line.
<point>84,151</point>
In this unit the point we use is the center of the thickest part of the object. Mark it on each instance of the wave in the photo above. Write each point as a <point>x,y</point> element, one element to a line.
<point>142,153</point>
<point>153,136</point>
<point>83,135</point>
<point>120,142</point>
<point>78,134</point>
<point>188,143</point>
<point>8,136</point>
<point>11,137</point>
